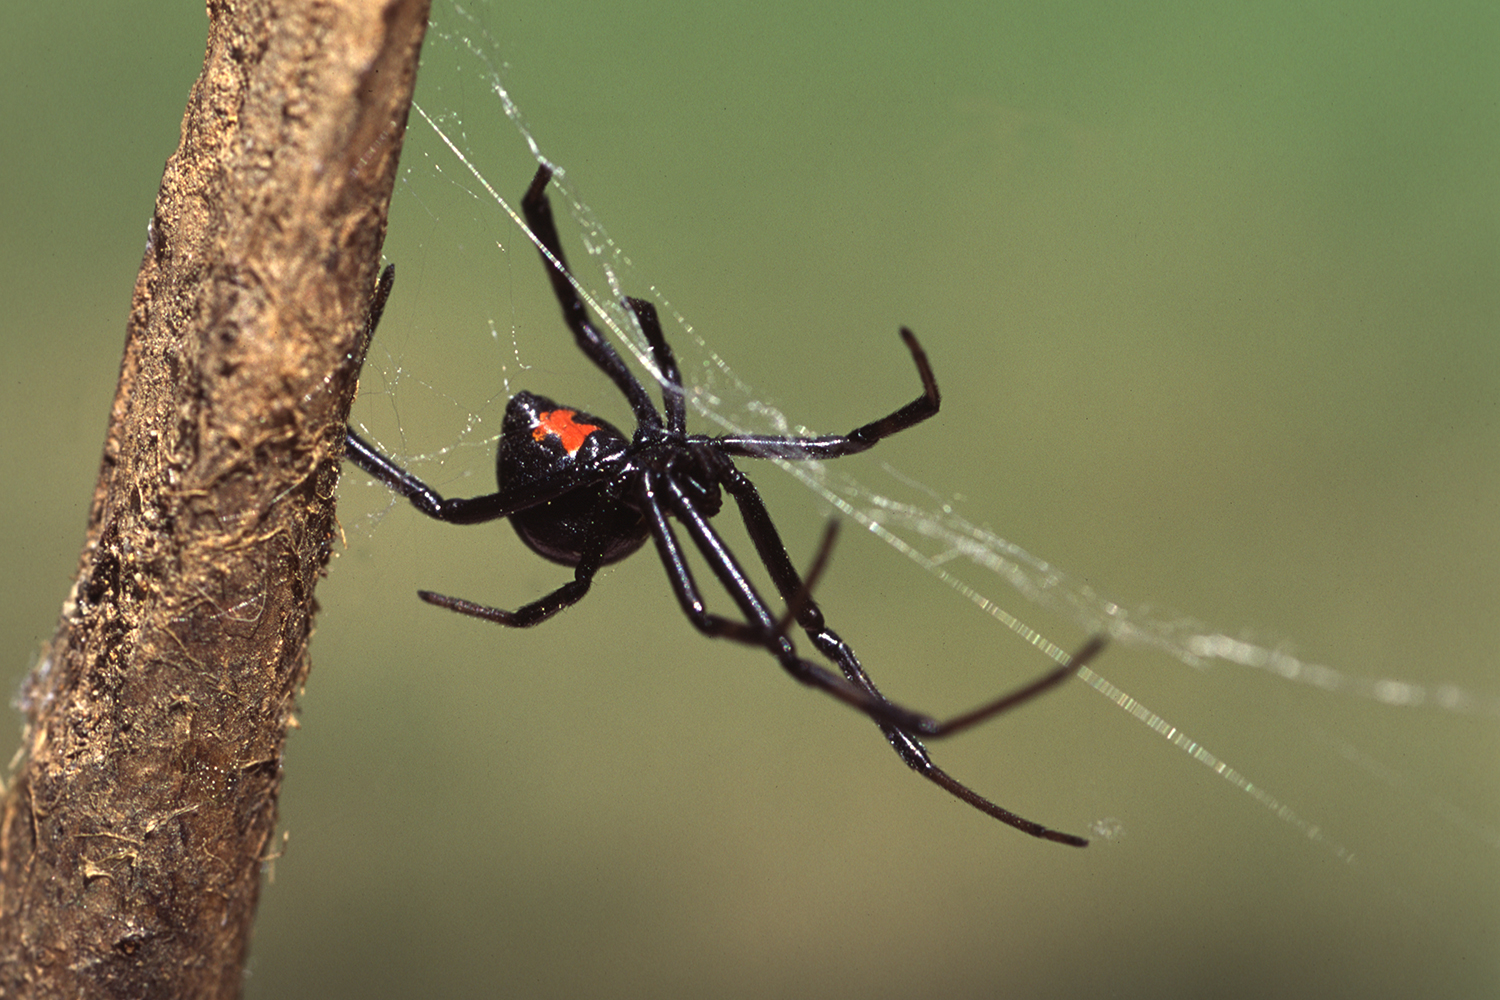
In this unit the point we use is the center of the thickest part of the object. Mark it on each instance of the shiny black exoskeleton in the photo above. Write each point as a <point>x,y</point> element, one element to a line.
<point>579,493</point>
<point>541,439</point>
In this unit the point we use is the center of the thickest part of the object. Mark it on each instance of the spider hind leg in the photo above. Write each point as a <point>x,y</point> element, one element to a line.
<point>905,735</point>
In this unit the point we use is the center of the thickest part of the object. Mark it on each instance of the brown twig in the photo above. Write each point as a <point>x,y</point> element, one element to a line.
<point>144,799</point>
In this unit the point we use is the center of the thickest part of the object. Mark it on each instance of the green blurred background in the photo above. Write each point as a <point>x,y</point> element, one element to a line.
<point>1211,292</point>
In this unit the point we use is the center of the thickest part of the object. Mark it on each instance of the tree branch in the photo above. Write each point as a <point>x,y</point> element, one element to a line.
<point>134,828</point>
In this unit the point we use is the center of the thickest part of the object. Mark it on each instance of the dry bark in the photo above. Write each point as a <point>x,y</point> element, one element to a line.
<point>136,822</point>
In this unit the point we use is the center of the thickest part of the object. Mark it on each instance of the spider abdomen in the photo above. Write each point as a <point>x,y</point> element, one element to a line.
<point>560,530</point>
<point>543,441</point>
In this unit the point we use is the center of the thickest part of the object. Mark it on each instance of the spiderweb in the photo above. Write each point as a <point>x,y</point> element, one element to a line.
<point>467,118</point>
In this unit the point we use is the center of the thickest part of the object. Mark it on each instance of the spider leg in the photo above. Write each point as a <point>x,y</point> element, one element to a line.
<point>474,510</point>
<point>761,628</point>
<point>680,575</point>
<point>538,212</point>
<point>857,440</point>
<point>382,292</point>
<point>531,614</point>
<point>661,352</point>
<point>796,594</point>
<point>468,510</point>
<point>810,578</point>
<point>596,544</point>
<point>902,738</point>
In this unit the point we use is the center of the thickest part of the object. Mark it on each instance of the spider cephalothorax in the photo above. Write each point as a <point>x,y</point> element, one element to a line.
<point>580,493</point>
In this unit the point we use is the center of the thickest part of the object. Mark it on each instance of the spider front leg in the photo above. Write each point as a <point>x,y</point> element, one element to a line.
<point>538,212</point>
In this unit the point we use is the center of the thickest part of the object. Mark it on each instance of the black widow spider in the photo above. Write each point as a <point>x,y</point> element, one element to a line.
<point>580,493</point>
